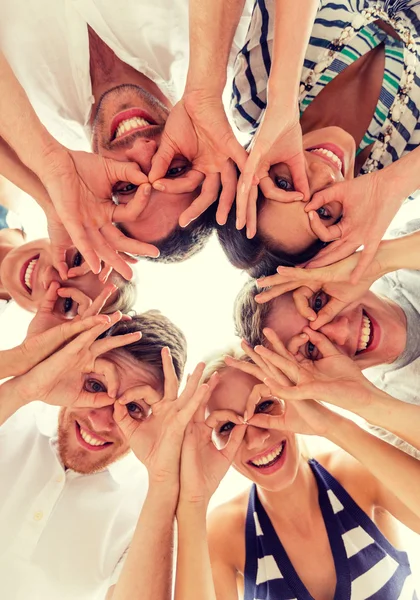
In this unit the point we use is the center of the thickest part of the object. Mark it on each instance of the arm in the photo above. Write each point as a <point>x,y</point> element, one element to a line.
<point>152,545</point>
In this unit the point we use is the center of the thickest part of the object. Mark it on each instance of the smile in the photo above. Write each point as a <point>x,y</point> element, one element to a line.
<point>270,458</point>
<point>331,153</point>
<point>369,336</point>
<point>129,121</point>
<point>88,440</point>
<point>26,273</point>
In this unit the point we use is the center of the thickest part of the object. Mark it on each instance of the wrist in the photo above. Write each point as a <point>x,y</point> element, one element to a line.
<point>11,398</point>
<point>187,507</point>
<point>51,154</point>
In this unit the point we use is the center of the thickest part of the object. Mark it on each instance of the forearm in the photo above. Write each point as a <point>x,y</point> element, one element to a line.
<point>147,572</point>
<point>194,577</point>
<point>400,418</point>
<point>19,125</point>
<point>396,470</point>
<point>10,400</point>
<point>292,29</point>
<point>212,27</point>
<point>398,253</point>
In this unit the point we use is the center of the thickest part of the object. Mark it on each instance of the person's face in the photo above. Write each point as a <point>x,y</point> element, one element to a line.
<point>127,127</point>
<point>366,331</point>
<point>89,439</point>
<point>27,271</point>
<point>329,156</point>
<point>268,457</point>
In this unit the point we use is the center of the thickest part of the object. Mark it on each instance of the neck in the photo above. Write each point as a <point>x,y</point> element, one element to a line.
<point>294,505</point>
<point>107,71</point>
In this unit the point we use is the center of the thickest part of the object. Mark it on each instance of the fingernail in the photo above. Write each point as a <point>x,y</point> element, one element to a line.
<point>188,222</point>
<point>311,318</point>
<point>303,335</point>
<point>246,417</point>
<point>311,215</point>
<point>159,186</point>
<point>147,190</point>
<point>256,348</point>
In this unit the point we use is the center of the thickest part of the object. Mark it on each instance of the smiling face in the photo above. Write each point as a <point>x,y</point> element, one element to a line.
<point>329,156</point>
<point>371,332</point>
<point>27,271</point>
<point>89,439</point>
<point>128,125</point>
<point>268,457</point>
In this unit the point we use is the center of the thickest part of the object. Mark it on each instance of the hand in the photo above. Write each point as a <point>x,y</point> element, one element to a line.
<point>198,129</point>
<point>60,380</point>
<point>274,142</point>
<point>80,187</point>
<point>154,425</point>
<point>333,280</point>
<point>203,466</point>
<point>368,208</point>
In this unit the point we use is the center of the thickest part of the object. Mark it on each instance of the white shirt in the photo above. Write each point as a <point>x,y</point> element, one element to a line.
<point>63,535</point>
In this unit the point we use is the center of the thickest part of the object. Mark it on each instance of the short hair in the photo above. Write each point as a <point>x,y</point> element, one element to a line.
<point>249,316</point>
<point>183,242</point>
<point>126,294</point>
<point>258,256</point>
<point>215,362</point>
<point>157,332</point>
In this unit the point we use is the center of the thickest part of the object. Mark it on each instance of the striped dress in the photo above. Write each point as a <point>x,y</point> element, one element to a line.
<point>367,565</point>
<point>344,31</point>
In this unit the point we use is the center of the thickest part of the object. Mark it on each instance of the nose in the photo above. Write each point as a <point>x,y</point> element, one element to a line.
<point>255,437</point>
<point>142,152</point>
<point>101,420</point>
<point>321,175</point>
<point>337,331</point>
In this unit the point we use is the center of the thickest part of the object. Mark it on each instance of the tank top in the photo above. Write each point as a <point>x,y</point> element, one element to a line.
<point>367,564</point>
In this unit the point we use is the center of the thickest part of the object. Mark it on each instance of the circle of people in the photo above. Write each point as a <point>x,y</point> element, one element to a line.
<point>327,98</point>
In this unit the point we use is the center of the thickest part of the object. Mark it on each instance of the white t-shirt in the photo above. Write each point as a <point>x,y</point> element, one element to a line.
<point>63,535</point>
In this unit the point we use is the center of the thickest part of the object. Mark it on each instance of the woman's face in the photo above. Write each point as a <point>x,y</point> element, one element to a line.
<point>27,271</point>
<point>329,155</point>
<point>268,457</point>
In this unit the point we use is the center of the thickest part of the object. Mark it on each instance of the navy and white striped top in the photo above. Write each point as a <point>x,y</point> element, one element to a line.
<point>343,31</point>
<point>367,565</point>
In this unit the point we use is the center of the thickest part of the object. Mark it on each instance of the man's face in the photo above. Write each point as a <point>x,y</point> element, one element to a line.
<point>89,439</point>
<point>366,331</point>
<point>127,126</point>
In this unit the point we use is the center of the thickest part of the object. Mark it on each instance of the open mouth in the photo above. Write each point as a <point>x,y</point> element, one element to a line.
<point>26,273</point>
<point>269,459</point>
<point>332,153</point>
<point>129,121</point>
<point>366,335</point>
<point>89,441</point>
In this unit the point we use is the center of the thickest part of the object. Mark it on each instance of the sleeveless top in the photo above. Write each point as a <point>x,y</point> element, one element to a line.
<point>367,565</point>
<point>343,32</point>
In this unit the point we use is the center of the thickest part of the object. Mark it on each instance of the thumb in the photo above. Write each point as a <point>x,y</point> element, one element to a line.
<point>327,313</point>
<point>333,193</point>
<point>124,171</point>
<point>161,161</point>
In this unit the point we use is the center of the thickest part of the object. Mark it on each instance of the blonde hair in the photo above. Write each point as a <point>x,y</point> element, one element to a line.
<point>126,295</point>
<point>216,361</point>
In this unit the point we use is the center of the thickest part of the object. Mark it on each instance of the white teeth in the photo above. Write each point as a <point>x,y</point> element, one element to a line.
<point>28,273</point>
<point>89,439</point>
<point>364,334</point>
<point>268,458</point>
<point>130,124</point>
<point>330,155</point>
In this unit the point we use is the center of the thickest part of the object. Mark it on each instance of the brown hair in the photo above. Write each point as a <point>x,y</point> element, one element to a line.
<point>157,332</point>
<point>249,316</point>
<point>126,295</point>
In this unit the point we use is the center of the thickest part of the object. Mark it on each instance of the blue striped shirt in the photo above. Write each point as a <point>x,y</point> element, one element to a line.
<point>367,565</point>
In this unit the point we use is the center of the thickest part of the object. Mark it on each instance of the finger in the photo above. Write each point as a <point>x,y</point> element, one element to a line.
<point>366,257</point>
<point>200,413</point>
<point>268,421</point>
<point>333,253</point>
<point>296,342</point>
<point>297,168</point>
<point>235,440</point>
<point>81,239</point>
<point>331,194</point>
<point>249,351</point>
<point>98,400</point>
<point>192,385</point>
<point>245,367</point>
<point>112,343</point>
<point>277,344</point>
<point>323,344</point>
<point>302,297</point>
<point>209,193</point>
<point>110,372</point>
<point>141,392</point>
<point>251,213</point>
<point>327,313</point>
<point>223,416</point>
<point>161,161</point>
<point>118,241</point>
<point>229,182</point>
<point>100,301</point>
<point>106,272</point>
<point>107,253</point>
<point>78,296</point>
<point>259,391</point>
<point>169,374</point>
<point>79,271</point>
<point>287,367</point>
<point>272,192</point>
<point>131,210</point>
<point>49,300</point>
<point>125,422</point>
<point>124,171</point>
<point>325,234</point>
<point>181,185</point>
<point>193,403</point>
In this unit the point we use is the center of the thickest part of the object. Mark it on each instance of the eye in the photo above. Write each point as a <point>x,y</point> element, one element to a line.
<point>67,306</point>
<point>318,301</point>
<point>77,259</point>
<point>264,406</point>
<point>124,188</point>
<point>177,169</point>
<point>284,184</point>
<point>136,411</point>
<point>312,352</point>
<point>226,428</point>
<point>94,386</point>
<point>324,213</point>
